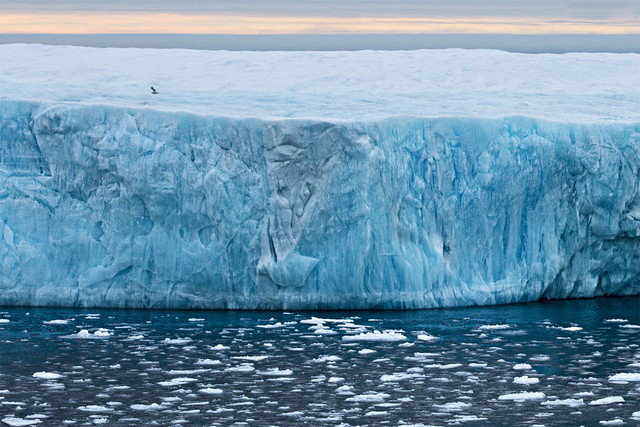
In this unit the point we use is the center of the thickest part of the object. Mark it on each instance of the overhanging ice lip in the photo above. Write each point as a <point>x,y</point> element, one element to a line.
<point>113,204</point>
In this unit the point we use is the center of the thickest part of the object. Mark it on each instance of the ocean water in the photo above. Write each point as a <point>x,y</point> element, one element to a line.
<point>549,363</point>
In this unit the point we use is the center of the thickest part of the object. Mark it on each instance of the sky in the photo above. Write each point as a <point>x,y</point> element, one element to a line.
<point>320,16</point>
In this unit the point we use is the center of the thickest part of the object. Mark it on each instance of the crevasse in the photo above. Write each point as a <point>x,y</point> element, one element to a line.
<point>124,207</point>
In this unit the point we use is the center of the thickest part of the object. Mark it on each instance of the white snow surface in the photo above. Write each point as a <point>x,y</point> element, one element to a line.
<point>316,180</point>
<point>363,85</point>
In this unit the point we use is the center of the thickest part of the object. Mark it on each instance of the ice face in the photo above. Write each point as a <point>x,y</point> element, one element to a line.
<point>125,207</point>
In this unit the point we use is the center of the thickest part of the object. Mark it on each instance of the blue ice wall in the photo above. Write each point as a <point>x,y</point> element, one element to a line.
<point>115,207</point>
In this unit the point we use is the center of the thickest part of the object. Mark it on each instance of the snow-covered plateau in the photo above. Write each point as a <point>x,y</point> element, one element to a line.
<point>306,180</point>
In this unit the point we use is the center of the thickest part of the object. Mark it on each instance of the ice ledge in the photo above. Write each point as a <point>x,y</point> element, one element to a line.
<point>110,207</point>
<point>351,86</point>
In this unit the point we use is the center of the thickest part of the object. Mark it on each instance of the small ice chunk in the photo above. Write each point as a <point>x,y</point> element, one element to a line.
<point>18,422</point>
<point>571,328</point>
<point>47,375</point>
<point>196,319</point>
<point>493,327</point>
<point>625,377</point>
<point>572,403</point>
<point>366,351</point>
<point>245,367</point>
<point>426,337</point>
<point>208,362</point>
<point>522,367</point>
<point>220,347</point>
<point>4,320</point>
<point>251,358</point>
<point>397,377</point>
<point>177,381</point>
<point>94,408</point>
<point>151,407</point>
<point>525,395</point>
<point>56,322</point>
<point>85,334</point>
<point>210,390</point>
<point>177,341</point>
<point>327,359</point>
<point>275,372</point>
<point>368,397</point>
<point>272,326</point>
<point>376,336</point>
<point>453,406</point>
<point>525,380</point>
<point>613,422</point>
<point>607,400</point>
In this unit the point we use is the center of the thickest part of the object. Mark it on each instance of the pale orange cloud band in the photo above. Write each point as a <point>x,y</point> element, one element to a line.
<point>225,24</point>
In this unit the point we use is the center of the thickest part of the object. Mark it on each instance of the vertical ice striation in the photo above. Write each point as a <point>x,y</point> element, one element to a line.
<point>114,206</point>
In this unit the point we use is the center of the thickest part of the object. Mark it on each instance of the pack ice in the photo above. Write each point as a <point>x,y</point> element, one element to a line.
<point>305,180</point>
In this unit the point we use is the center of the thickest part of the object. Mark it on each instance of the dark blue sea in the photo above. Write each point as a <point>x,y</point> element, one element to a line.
<point>548,363</point>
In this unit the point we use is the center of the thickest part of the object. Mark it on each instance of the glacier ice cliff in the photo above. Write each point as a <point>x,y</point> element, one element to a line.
<point>106,206</point>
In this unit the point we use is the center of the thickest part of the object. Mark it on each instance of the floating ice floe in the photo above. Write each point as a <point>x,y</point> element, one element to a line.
<point>493,327</point>
<point>220,347</point>
<point>95,408</point>
<point>196,319</point>
<point>273,326</point>
<point>318,320</point>
<point>398,377</point>
<point>325,331</point>
<point>568,328</point>
<point>426,337</point>
<point>208,362</point>
<point>327,359</point>
<point>525,395</point>
<point>150,407</point>
<point>4,320</point>
<point>625,377</point>
<point>47,375</point>
<point>613,422</point>
<point>85,334</point>
<point>177,341</point>
<point>275,372</point>
<point>572,403</point>
<point>19,422</point>
<point>525,380</point>
<point>245,367</point>
<point>376,414</point>
<point>377,336</point>
<point>56,322</point>
<point>210,390</point>
<point>177,381</point>
<point>607,400</point>
<point>522,367</point>
<point>368,397</point>
<point>251,358</point>
<point>453,406</point>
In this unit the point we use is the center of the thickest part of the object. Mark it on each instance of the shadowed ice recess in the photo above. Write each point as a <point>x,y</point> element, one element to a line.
<point>116,207</point>
<point>106,201</point>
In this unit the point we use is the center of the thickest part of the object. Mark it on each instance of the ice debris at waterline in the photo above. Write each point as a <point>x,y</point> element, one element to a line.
<point>106,200</point>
